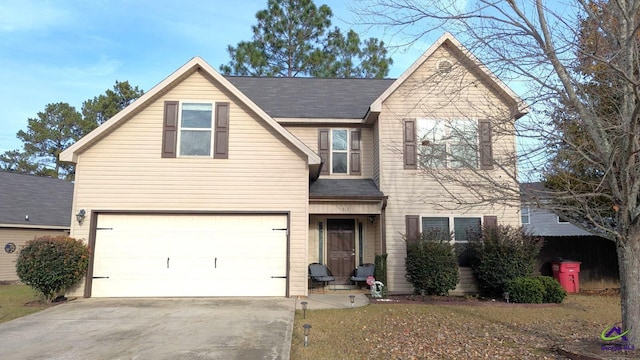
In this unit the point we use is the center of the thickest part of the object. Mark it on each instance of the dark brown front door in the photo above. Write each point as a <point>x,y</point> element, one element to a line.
<point>341,245</point>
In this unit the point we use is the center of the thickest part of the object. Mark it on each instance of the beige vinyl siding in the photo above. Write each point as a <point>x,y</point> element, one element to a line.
<point>264,172</point>
<point>344,207</point>
<point>19,237</point>
<point>309,136</point>
<point>460,94</point>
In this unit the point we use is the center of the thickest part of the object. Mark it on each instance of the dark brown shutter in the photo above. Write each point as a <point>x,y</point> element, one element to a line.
<point>355,153</point>
<point>221,131</point>
<point>485,146</point>
<point>490,221</point>
<point>323,150</point>
<point>170,129</point>
<point>413,227</point>
<point>410,148</point>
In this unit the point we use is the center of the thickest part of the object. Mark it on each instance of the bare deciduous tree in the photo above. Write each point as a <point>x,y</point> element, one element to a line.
<point>540,46</point>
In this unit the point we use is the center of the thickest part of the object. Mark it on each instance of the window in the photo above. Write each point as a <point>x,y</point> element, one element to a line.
<point>196,129</point>
<point>435,224</point>
<point>444,143</point>
<point>463,227</point>
<point>562,220</point>
<point>466,228</point>
<point>339,151</point>
<point>192,129</point>
<point>524,215</point>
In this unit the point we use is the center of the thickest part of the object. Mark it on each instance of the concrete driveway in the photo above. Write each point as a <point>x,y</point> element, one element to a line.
<point>192,328</point>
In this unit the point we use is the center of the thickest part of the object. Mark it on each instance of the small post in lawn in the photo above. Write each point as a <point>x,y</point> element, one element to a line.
<point>304,309</point>
<point>352,299</point>
<point>307,329</point>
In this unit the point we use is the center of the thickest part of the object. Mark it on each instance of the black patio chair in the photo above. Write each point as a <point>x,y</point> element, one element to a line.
<point>319,273</point>
<point>363,272</point>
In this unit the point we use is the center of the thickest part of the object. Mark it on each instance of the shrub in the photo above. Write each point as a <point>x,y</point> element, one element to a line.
<point>52,264</point>
<point>501,254</point>
<point>431,264</point>
<point>526,289</point>
<point>554,293</point>
<point>380,272</point>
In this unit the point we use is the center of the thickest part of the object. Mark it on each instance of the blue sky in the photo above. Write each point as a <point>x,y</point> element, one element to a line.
<point>70,51</point>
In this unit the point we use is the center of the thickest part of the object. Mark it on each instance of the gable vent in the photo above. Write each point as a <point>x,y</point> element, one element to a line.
<point>444,66</point>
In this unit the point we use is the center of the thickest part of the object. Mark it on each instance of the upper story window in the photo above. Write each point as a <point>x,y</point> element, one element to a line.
<point>562,220</point>
<point>524,215</point>
<point>340,151</point>
<point>447,144</point>
<point>437,143</point>
<point>196,129</point>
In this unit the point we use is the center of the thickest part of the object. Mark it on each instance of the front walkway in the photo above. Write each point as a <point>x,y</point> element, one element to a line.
<point>334,299</point>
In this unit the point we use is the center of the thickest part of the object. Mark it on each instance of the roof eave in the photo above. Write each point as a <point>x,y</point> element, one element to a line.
<point>71,153</point>
<point>522,108</point>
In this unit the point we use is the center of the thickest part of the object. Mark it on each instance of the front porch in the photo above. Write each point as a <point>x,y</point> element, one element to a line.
<point>346,226</point>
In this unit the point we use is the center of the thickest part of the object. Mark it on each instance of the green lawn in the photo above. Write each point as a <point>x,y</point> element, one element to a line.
<point>17,301</point>
<point>484,330</point>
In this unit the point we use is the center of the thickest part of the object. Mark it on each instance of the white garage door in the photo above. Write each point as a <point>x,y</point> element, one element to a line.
<point>190,255</point>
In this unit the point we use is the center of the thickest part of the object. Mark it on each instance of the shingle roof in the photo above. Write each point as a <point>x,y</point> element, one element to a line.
<point>312,97</point>
<point>344,188</point>
<point>47,201</point>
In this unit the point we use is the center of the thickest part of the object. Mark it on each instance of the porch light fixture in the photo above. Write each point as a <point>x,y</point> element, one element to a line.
<point>80,216</point>
<point>372,218</point>
<point>304,309</point>
<point>307,329</point>
<point>352,299</point>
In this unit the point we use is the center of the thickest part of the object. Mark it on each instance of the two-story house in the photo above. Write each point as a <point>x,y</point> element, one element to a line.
<point>212,185</point>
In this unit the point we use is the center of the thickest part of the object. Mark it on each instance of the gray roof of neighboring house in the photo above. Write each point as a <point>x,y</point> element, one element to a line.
<point>543,222</point>
<point>344,188</point>
<point>47,201</point>
<point>322,98</point>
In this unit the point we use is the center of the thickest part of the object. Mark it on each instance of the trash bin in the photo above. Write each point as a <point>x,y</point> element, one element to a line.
<point>568,275</point>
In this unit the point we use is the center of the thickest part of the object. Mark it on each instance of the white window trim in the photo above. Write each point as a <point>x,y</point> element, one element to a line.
<point>211,130</point>
<point>448,143</point>
<point>528,215</point>
<point>348,151</point>
<point>452,224</point>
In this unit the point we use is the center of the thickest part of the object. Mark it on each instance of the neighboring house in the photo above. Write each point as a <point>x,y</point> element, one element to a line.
<point>212,185</point>
<point>565,241</point>
<point>30,206</point>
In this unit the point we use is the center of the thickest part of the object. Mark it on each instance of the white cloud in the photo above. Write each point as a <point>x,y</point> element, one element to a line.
<point>26,15</point>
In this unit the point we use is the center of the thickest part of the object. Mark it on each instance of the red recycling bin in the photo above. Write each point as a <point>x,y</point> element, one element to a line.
<point>568,275</point>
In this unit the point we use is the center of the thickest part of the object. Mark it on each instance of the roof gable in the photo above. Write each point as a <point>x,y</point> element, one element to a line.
<point>46,201</point>
<point>312,98</point>
<point>521,107</point>
<point>195,64</point>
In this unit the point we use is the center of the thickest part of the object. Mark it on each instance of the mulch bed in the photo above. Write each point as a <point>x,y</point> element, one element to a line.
<point>471,300</point>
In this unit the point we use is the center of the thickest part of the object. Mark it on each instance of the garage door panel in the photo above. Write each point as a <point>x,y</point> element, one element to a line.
<point>190,255</point>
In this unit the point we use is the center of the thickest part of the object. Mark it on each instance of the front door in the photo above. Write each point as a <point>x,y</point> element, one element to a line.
<point>341,245</point>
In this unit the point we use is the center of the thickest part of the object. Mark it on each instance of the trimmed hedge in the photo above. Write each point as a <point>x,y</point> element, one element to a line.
<point>535,290</point>
<point>554,293</point>
<point>526,289</point>
<point>431,265</point>
<point>52,264</point>
<point>501,254</point>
